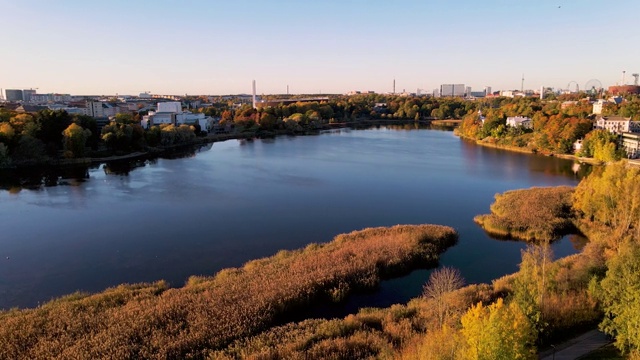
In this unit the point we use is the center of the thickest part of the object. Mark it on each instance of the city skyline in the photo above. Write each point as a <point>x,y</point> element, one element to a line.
<point>310,47</point>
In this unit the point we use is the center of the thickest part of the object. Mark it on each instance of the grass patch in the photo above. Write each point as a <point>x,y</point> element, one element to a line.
<point>152,322</point>
<point>536,214</point>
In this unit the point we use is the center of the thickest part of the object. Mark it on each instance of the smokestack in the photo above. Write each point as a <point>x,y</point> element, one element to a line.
<point>394,86</point>
<point>623,72</point>
<point>254,94</point>
<point>542,92</point>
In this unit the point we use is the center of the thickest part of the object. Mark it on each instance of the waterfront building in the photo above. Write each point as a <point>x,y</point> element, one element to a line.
<point>171,113</point>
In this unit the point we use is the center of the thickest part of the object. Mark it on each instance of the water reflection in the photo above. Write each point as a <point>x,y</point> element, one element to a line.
<point>124,167</point>
<point>170,218</point>
<point>15,181</point>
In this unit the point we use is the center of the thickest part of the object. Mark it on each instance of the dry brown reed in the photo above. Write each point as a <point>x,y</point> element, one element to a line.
<point>151,321</point>
<point>536,214</point>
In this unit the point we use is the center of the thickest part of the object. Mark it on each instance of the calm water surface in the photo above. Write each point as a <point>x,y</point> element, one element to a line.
<point>240,200</point>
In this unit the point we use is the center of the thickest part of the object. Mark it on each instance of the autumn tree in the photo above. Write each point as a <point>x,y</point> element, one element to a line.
<point>6,132</point>
<point>612,198</point>
<point>441,282</point>
<point>445,343</point>
<point>497,331</point>
<point>24,124</point>
<point>601,145</point>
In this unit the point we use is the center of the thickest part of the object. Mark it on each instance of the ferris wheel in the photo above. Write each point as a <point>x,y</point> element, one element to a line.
<point>593,86</point>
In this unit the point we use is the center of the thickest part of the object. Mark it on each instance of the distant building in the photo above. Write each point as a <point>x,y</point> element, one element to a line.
<point>26,94</point>
<point>467,91</point>
<point>13,95</point>
<point>566,104</point>
<point>515,121</point>
<point>597,106</point>
<point>171,106</point>
<point>40,98</point>
<point>27,108</point>
<point>71,110</point>
<point>624,89</point>
<point>171,113</point>
<point>617,124</point>
<point>452,90</point>
<point>487,91</point>
<point>94,109</point>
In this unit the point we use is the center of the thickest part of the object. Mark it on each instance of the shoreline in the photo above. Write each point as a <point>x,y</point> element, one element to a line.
<point>525,150</point>
<point>153,152</point>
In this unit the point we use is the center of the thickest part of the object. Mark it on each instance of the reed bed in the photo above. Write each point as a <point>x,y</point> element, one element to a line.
<point>152,321</point>
<point>535,214</point>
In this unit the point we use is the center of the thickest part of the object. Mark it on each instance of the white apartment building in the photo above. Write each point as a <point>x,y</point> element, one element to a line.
<point>597,106</point>
<point>631,144</point>
<point>94,109</point>
<point>617,124</point>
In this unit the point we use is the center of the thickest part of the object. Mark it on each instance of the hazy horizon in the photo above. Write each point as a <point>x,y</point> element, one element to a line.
<point>216,48</point>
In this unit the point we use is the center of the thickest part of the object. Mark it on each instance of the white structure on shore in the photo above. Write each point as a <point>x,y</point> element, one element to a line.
<point>172,113</point>
<point>515,121</point>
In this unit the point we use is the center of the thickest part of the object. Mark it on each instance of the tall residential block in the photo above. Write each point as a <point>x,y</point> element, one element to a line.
<point>13,95</point>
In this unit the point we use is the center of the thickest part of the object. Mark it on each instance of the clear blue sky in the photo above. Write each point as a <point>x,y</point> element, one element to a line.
<point>330,46</point>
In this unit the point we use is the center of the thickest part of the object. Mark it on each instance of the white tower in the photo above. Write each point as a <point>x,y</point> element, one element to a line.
<point>254,94</point>
<point>542,92</point>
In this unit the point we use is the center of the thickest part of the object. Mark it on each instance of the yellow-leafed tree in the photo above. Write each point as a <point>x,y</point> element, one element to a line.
<point>497,331</point>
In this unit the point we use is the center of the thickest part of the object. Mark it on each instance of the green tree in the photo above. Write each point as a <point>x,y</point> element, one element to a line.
<point>124,118</point>
<point>533,283</point>
<point>5,160</point>
<point>52,124</point>
<point>29,150</point>
<point>267,121</point>
<point>89,123</point>
<point>620,297</point>
<point>75,139</point>
<point>497,331</point>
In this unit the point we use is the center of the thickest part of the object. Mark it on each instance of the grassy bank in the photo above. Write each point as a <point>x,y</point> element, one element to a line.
<point>152,321</point>
<point>536,214</point>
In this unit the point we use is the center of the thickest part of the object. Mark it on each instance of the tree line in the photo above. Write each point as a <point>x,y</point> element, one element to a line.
<point>36,138</point>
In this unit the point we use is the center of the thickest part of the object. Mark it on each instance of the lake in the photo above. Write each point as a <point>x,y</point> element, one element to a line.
<point>238,200</point>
